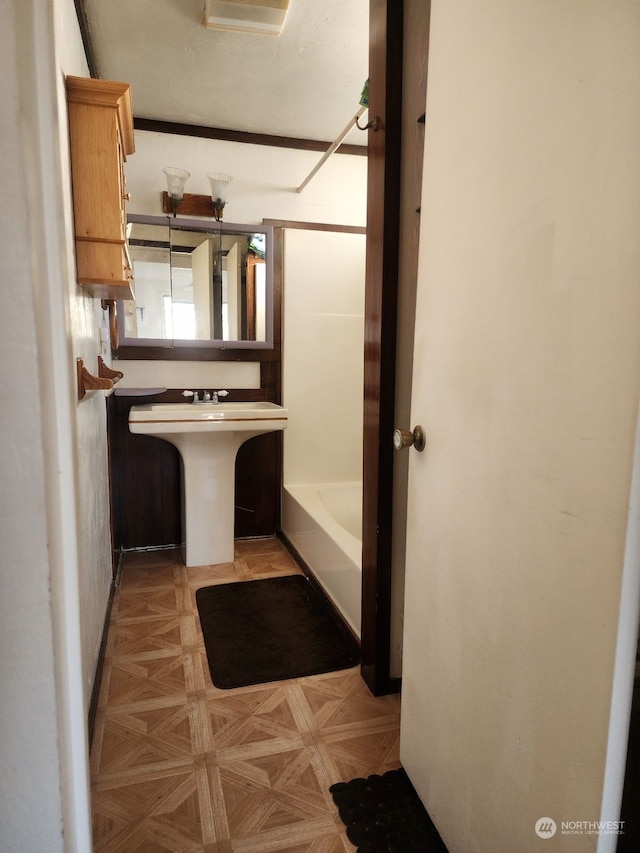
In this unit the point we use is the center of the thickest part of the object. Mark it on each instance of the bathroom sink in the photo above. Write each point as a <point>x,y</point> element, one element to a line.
<point>202,417</point>
<point>207,436</point>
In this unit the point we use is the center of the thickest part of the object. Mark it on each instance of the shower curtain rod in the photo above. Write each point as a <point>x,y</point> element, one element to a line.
<point>332,148</point>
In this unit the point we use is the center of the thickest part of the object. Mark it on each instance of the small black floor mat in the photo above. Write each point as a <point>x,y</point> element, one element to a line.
<point>383,814</point>
<point>271,630</point>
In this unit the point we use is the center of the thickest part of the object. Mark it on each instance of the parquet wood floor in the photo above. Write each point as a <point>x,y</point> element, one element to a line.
<point>179,765</point>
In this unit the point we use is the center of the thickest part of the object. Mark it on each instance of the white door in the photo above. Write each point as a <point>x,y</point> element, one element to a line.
<point>526,378</point>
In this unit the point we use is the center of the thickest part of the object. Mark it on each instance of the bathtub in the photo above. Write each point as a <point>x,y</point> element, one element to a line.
<point>324,524</point>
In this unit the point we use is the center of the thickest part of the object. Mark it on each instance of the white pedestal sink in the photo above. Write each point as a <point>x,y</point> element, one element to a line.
<point>207,436</point>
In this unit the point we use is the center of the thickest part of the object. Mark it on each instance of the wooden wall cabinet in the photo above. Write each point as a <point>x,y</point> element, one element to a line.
<point>101,137</point>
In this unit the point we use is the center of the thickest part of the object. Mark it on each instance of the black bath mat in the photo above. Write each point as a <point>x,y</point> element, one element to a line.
<point>270,630</point>
<point>383,814</point>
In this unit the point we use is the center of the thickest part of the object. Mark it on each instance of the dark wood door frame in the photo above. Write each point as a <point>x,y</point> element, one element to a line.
<point>383,234</point>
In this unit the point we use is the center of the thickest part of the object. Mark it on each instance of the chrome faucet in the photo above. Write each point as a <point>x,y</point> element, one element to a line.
<point>207,396</point>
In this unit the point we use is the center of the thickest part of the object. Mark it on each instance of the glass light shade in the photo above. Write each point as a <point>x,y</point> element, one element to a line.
<point>175,182</point>
<point>219,184</point>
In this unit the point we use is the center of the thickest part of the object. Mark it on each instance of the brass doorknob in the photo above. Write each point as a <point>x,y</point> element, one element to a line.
<point>405,438</point>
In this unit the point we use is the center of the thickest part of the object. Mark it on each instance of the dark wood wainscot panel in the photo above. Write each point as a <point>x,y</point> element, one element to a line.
<point>146,480</point>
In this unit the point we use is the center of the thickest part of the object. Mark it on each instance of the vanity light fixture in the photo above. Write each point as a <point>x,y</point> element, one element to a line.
<point>176,179</point>
<point>195,205</point>
<point>176,200</point>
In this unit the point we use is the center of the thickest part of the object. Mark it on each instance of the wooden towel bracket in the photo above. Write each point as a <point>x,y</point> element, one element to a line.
<point>105,380</point>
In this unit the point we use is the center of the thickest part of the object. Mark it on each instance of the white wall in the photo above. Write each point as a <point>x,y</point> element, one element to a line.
<point>527,382</point>
<point>28,719</point>
<point>84,320</point>
<point>264,179</point>
<point>323,356</point>
<point>49,491</point>
<point>189,374</point>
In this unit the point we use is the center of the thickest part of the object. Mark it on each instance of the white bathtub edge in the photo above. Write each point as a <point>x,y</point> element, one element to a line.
<point>331,552</point>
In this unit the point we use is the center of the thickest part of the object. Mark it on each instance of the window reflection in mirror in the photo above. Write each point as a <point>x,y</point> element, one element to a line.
<point>199,283</point>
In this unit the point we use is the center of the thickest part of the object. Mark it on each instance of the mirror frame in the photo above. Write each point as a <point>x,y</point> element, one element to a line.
<point>168,345</point>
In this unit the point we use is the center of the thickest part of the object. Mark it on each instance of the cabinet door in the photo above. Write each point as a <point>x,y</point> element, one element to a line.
<point>101,134</point>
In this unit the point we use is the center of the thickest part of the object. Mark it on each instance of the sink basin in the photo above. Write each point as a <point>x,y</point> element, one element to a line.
<point>208,436</point>
<point>204,417</point>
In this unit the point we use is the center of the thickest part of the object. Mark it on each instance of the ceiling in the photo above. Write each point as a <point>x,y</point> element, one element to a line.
<point>305,83</point>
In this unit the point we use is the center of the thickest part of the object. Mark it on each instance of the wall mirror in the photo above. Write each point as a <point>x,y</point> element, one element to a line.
<point>198,284</point>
